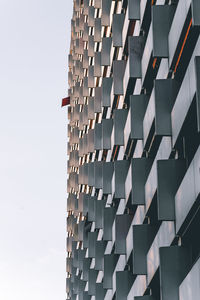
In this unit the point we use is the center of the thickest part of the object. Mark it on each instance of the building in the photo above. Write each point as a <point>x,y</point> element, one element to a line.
<point>133,225</point>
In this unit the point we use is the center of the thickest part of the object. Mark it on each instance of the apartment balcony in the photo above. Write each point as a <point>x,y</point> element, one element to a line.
<point>98,172</point>
<point>136,178</point>
<point>98,139</point>
<point>107,126</point>
<point>133,69</point>
<point>106,51</point>
<point>107,83</point>
<point>187,194</point>
<point>117,27</point>
<point>107,169</point>
<point>122,225</point>
<point>119,120</point>
<point>98,100</point>
<point>99,255</point>
<point>110,262</point>
<point>124,280</point>
<point>190,287</point>
<point>109,216</point>
<point>106,12</point>
<point>119,177</point>
<point>97,30</point>
<point>133,129</point>
<point>157,119</point>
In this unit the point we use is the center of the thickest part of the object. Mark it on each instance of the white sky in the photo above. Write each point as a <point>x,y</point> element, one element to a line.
<point>34,44</point>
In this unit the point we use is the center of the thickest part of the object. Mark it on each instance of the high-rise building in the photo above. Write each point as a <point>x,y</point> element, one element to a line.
<point>133,224</point>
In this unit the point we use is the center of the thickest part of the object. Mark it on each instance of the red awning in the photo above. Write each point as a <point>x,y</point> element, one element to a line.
<point>65,101</point>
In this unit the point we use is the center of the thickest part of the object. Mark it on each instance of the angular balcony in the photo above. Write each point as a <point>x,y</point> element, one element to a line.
<point>107,83</point>
<point>90,140</point>
<point>106,51</point>
<point>91,16</point>
<point>91,46</point>
<point>91,114</point>
<point>133,69</point>
<point>190,287</point>
<point>124,281</point>
<point>100,291</point>
<point>106,12</point>
<point>164,238</point>
<point>99,255</point>
<point>157,119</point>
<point>118,75</point>
<point>91,174</point>
<point>175,262</point>
<point>117,27</point>
<point>120,173</point>
<point>97,30</point>
<point>108,169</point>
<point>143,236</point>
<point>98,174</point>
<point>187,195</point>
<point>122,225</point>
<point>97,64</point>
<point>98,100</point>
<point>110,262</point>
<point>98,136</point>
<point>119,121</point>
<point>92,282</point>
<point>108,219</point>
<point>99,211</point>
<point>107,127</point>
<point>169,176</point>
<point>91,208</point>
<point>91,77</point>
<point>92,238</point>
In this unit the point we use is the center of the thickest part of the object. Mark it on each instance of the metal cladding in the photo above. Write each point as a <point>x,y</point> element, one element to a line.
<point>134,150</point>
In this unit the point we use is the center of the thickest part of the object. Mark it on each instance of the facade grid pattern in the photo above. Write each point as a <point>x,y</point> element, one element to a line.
<point>133,187</point>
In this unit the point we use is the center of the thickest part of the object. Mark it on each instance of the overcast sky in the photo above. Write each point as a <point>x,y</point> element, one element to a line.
<point>34,44</point>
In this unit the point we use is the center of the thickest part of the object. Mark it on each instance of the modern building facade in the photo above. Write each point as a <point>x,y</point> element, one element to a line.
<point>133,224</point>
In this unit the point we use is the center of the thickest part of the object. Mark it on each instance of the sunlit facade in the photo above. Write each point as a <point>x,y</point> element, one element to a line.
<point>134,151</point>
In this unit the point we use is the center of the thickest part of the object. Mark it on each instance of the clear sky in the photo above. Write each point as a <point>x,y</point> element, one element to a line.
<point>34,44</point>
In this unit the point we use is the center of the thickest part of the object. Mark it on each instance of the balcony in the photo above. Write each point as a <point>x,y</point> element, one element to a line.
<point>175,263</point>
<point>108,219</point>
<point>106,12</point>
<point>169,176</point>
<point>99,211</point>
<point>107,126</point>
<point>190,287</point>
<point>143,236</point>
<point>120,173</point>
<point>98,172</point>
<point>133,67</point>
<point>98,137</point>
<point>98,100</point>
<point>164,238</point>
<point>99,255</point>
<point>97,30</point>
<point>108,169</point>
<point>118,75</point>
<point>158,112</point>
<point>106,51</point>
<point>97,64</point>
<point>187,194</point>
<point>91,208</point>
<point>117,27</point>
<point>106,91</point>
<point>91,115</point>
<point>124,280</point>
<point>122,225</point>
<point>90,140</point>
